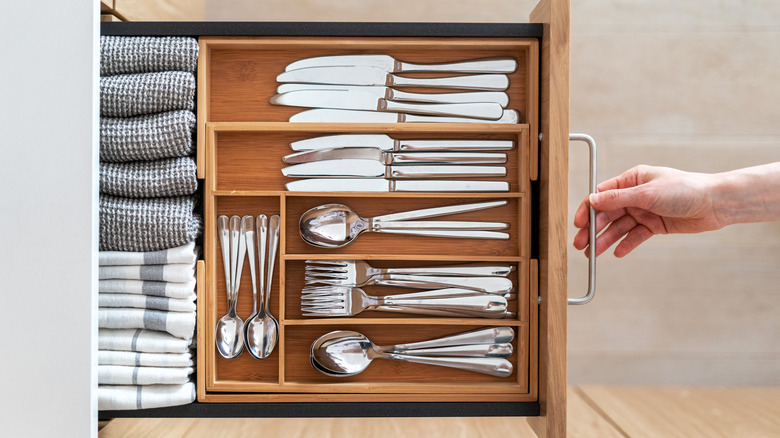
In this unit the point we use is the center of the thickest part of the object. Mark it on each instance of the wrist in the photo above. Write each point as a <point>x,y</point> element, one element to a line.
<point>746,195</point>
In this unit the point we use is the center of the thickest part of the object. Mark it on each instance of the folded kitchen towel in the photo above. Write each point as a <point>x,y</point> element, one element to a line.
<point>127,397</point>
<point>150,179</point>
<point>146,93</point>
<point>144,287</point>
<point>137,359</point>
<point>147,224</point>
<point>123,54</point>
<point>187,253</point>
<point>176,272</point>
<point>147,137</point>
<point>179,324</point>
<point>147,302</point>
<point>143,341</point>
<point>124,375</point>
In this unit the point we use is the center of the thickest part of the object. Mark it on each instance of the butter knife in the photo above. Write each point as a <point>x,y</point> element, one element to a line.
<point>498,97</point>
<point>389,144</point>
<point>392,65</point>
<point>350,75</point>
<point>386,186</point>
<point>374,169</point>
<point>323,115</point>
<point>358,100</point>
<point>369,153</point>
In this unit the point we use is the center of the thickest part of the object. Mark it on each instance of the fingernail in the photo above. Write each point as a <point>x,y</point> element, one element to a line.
<point>593,198</point>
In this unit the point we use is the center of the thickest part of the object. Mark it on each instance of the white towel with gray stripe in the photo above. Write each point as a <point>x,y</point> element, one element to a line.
<point>179,324</point>
<point>138,301</point>
<point>145,287</point>
<point>150,179</point>
<point>176,272</point>
<point>146,93</point>
<point>181,254</point>
<point>123,375</point>
<point>137,359</point>
<point>142,54</point>
<point>139,340</point>
<point>147,137</point>
<point>125,397</point>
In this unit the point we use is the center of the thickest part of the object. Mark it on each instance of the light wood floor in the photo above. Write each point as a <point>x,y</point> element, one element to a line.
<point>593,412</point>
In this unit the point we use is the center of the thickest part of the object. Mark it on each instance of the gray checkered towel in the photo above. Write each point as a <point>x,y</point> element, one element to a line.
<point>147,137</point>
<point>150,179</point>
<point>147,224</point>
<point>146,93</point>
<point>122,55</point>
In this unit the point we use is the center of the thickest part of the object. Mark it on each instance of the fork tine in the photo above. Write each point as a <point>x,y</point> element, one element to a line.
<point>324,302</point>
<point>326,275</point>
<point>309,269</point>
<point>342,263</point>
<point>329,282</point>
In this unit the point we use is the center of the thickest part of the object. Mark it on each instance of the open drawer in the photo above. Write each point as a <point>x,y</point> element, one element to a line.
<point>243,141</point>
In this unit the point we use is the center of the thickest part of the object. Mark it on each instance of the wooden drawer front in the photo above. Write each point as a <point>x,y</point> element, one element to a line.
<point>242,139</point>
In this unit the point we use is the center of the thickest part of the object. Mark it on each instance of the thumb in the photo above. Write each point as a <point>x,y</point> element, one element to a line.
<point>618,198</point>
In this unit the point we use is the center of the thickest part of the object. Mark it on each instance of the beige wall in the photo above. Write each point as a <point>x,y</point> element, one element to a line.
<point>687,84</point>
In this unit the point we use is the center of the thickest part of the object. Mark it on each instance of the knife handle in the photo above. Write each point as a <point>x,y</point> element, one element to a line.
<point>498,97</point>
<point>487,82</point>
<point>478,110</point>
<point>447,158</point>
<point>446,171</point>
<point>499,65</point>
<point>510,116</point>
<point>454,145</point>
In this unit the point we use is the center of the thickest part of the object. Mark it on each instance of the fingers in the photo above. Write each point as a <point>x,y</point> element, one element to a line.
<point>621,198</point>
<point>633,239</point>
<point>603,218</point>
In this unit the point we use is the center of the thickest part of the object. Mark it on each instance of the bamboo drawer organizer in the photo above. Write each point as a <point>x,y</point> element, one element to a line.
<point>241,141</point>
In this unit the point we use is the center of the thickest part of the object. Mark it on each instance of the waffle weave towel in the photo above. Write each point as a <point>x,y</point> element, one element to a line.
<point>121,55</point>
<point>124,397</point>
<point>146,93</point>
<point>150,179</point>
<point>147,224</point>
<point>147,137</point>
<point>140,340</point>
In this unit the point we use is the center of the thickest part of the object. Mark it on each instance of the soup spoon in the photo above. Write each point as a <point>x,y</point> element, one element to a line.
<point>251,332</point>
<point>230,328</point>
<point>337,225</point>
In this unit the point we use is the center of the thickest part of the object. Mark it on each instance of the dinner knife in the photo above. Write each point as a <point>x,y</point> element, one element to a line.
<point>498,97</point>
<point>374,169</point>
<point>324,115</point>
<point>388,144</point>
<point>388,185</point>
<point>392,65</point>
<point>358,100</point>
<point>348,75</point>
<point>369,153</point>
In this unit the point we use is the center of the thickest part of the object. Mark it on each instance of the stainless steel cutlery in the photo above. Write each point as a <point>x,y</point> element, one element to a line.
<point>381,92</point>
<point>371,153</point>
<point>389,144</point>
<point>392,65</point>
<point>392,185</point>
<point>362,168</point>
<point>323,115</point>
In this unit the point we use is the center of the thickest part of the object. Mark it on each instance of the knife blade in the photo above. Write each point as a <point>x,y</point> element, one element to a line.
<point>498,97</point>
<point>356,100</point>
<point>374,169</point>
<point>385,185</point>
<point>392,65</point>
<point>323,115</point>
<point>348,75</point>
<point>388,144</point>
<point>369,153</point>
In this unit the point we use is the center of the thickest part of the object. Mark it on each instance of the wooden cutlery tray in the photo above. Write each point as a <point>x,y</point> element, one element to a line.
<point>241,141</point>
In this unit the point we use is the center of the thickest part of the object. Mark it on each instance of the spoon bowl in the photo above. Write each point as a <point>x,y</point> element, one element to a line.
<point>331,225</point>
<point>230,335</point>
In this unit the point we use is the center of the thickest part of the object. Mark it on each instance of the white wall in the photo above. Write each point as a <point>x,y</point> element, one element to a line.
<point>48,238</point>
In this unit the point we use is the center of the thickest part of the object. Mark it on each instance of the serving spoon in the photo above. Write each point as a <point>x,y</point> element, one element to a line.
<point>337,225</point>
<point>347,353</point>
<point>229,334</point>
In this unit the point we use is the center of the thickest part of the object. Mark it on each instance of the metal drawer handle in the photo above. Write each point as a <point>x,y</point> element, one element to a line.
<point>592,227</point>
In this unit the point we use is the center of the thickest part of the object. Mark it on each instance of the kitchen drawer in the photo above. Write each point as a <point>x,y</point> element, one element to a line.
<point>243,141</point>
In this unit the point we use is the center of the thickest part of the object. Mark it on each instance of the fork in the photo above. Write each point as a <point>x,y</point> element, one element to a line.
<point>355,273</point>
<point>327,301</point>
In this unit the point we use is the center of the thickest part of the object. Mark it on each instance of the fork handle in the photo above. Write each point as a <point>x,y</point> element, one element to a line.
<point>489,285</point>
<point>475,303</point>
<point>466,270</point>
<point>494,366</point>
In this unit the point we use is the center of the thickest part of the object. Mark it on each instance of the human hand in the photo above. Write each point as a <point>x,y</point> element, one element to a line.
<point>645,201</point>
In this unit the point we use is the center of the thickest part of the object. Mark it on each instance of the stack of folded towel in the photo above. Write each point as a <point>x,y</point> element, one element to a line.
<point>148,222</point>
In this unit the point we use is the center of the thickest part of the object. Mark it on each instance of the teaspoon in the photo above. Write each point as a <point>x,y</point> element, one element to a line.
<point>268,327</point>
<point>230,332</point>
<point>254,325</point>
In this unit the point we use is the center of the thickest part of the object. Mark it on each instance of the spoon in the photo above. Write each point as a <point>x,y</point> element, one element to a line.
<point>254,325</point>
<point>268,328</point>
<point>337,225</point>
<point>347,353</point>
<point>229,332</point>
